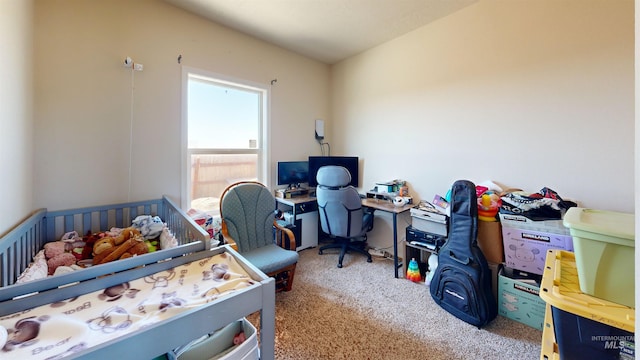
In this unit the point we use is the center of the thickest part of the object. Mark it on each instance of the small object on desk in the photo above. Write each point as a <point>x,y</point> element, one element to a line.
<point>399,201</point>
<point>379,196</point>
<point>387,187</point>
<point>440,201</point>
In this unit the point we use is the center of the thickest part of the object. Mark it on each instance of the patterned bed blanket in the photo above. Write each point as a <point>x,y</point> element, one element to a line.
<point>59,329</point>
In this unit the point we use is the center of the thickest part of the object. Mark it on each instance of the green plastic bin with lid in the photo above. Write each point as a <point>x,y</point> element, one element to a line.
<point>604,246</point>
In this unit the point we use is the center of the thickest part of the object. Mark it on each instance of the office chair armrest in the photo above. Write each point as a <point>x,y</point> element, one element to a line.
<point>226,237</point>
<point>290,236</point>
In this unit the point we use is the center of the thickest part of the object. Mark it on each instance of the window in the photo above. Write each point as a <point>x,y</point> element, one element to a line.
<point>224,136</point>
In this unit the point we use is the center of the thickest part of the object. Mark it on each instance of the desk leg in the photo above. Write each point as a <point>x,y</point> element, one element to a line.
<point>395,244</point>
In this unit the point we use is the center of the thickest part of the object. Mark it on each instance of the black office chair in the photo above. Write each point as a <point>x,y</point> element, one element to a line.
<point>341,213</point>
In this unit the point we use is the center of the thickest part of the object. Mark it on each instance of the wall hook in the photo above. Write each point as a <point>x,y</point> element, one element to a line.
<point>274,81</point>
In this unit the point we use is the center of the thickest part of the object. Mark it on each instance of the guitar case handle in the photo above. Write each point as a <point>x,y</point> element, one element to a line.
<point>464,261</point>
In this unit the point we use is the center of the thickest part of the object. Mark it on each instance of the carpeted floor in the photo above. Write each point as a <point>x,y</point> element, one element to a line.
<point>362,312</point>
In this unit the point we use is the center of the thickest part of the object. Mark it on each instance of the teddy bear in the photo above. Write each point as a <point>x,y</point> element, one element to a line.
<point>127,244</point>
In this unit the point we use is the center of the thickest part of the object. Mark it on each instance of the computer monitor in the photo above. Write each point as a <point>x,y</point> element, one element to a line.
<point>293,172</point>
<point>349,162</point>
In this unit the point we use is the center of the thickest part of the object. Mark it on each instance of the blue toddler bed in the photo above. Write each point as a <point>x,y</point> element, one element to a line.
<point>170,312</point>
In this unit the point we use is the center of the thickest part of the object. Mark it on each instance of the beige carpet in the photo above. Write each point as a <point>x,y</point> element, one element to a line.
<point>362,312</point>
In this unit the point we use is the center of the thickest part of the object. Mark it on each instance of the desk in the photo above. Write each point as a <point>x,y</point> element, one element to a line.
<point>307,204</point>
<point>387,206</point>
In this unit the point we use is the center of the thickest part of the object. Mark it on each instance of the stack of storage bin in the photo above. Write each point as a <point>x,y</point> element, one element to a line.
<point>604,243</point>
<point>590,293</point>
<point>526,243</point>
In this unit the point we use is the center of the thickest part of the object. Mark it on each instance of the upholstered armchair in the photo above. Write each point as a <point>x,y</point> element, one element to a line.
<point>247,209</point>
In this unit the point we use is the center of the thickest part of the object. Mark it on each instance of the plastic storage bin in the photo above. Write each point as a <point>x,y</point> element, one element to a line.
<point>526,241</point>
<point>518,297</point>
<point>220,346</point>
<point>585,327</point>
<point>549,347</point>
<point>604,244</point>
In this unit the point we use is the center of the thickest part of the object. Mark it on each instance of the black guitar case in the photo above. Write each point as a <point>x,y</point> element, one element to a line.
<point>461,283</point>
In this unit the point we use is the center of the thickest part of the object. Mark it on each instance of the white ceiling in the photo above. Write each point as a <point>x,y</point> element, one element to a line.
<point>325,30</point>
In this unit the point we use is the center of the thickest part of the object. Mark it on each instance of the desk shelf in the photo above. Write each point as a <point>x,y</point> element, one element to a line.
<point>421,254</point>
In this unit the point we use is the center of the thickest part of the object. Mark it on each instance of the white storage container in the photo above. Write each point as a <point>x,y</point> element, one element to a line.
<point>429,222</point>
<point>526,242</point>
<point>220,346</point>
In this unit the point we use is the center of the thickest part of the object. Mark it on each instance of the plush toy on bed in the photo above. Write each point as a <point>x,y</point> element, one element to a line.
<point>57,256</point>
<point>129,243</point>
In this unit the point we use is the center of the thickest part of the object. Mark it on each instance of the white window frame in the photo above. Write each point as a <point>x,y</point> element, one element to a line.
<point>262,150</point>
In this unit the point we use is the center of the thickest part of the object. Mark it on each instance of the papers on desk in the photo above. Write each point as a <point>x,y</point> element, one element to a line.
<point>428,210</point>
<point>425,217</point>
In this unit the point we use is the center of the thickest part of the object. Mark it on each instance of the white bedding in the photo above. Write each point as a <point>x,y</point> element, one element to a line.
<point>56,330</point>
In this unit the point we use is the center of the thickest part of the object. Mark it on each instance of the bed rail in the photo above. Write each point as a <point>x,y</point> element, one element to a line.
<point>153,340</point>
<point>18,247</point>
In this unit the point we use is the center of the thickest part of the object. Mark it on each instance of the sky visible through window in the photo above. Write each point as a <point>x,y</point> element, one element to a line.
<point>221,117</point>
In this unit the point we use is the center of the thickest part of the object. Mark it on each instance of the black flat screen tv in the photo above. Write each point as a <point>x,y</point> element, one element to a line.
<point>293,172</point>
<point>349,162</point>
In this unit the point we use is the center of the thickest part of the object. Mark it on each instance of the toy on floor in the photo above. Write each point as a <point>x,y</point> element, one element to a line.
<point>433,264</point>
<point>413,272</point>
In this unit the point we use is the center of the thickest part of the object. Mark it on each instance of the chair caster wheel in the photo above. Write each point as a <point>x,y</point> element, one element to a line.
<point>369,260</point>
<point>340,266</point>
<point>319,252</point>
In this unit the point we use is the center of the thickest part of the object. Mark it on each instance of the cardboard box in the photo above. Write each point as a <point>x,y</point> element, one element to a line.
<point>518,297</point>
<point>490,241</point>
<point>526,249</point>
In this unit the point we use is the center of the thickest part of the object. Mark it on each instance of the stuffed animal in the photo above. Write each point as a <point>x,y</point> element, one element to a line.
<point>433,264</point>
<point>56,255</point>
<point>129,243</point>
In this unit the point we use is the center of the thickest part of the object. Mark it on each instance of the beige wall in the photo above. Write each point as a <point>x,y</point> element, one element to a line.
<point>637,148</point>
<point>544,89</point>
<point>525,93</point>
<point>16,120</point>
<point>83,96</point>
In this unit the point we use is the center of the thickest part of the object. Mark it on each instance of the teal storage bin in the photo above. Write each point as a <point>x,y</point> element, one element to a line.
<point>604,246</point>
